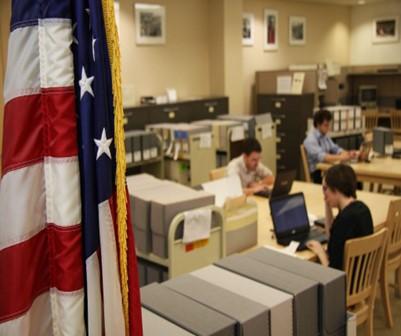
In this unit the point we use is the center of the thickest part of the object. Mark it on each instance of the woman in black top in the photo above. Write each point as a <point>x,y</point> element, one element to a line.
<point>353,220</point>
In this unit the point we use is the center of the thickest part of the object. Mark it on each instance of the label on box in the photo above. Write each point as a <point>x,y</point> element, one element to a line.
<point>185,147</point>
<point>153,152</point>
<point>237,133</point>
<point>128,157</point>
<point>336,115</point>
<point>358,124</point>
<point>146,154</point>
<point>336,126</point>
<point>266,131</point>
<point>205,140</point>
<point>137,156</point>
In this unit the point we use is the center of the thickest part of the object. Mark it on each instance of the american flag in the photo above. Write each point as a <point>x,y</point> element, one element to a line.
<point>59,256</point>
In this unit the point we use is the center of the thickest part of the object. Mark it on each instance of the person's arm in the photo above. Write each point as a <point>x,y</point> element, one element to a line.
<point>317,154</point>
<point>250,190</point>
<point>265,175</point>
<point>328,219</point>
<point>318,249</point>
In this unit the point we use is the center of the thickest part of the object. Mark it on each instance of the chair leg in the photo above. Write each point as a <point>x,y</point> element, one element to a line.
<point>371,187</point>
<point>369,324</point>
<point>386,299</point>
<point>398,282</point>
<point>379,188</point>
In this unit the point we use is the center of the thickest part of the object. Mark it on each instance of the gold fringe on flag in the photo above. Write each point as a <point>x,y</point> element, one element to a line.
<point>114,54</point>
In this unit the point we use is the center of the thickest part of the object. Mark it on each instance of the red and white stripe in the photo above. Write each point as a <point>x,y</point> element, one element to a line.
<point>41,280</point>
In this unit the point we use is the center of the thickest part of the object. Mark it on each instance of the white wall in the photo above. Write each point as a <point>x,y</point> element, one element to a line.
<point>327,37</point>
<point>362,50</point>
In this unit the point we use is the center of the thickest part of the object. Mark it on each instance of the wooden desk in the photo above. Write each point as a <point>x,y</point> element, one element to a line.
<point>380,170</point>
<point>377,203</point>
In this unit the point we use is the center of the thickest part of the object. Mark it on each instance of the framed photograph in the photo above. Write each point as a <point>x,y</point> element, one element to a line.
<point>297,30</point>
<point>150,24</point>
<point>270,30</point>
<point>247,29</point>
<point>386,29</point>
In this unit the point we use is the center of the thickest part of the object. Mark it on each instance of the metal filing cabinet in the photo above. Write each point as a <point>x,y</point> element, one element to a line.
<point>290,113</point>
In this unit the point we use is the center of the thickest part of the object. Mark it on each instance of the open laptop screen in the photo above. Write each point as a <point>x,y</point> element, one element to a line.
<point>289,214</point>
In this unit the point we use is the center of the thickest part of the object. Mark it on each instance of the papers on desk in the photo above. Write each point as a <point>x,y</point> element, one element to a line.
<point>197,225</point>
<point>223,188</point>
<point>288,250</point>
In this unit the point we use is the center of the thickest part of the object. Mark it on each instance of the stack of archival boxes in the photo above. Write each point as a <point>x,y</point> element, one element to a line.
<point>154,203</point>
<point>346,118</point>
<point>263,292</point>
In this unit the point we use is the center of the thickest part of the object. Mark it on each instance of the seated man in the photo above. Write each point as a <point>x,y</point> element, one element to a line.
<point>320,148</point>
<point>254,175</point>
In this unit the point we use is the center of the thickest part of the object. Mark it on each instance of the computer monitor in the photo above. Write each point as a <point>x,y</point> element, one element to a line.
<point>383,140</point>
<point>368,95</point>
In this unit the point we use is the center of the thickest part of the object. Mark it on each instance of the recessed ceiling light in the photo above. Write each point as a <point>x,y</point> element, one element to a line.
<point>361,2</point>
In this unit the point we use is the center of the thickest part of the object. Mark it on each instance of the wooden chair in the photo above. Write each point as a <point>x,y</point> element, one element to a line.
<point>392,259</point>
<point>395,116</point>
<point>305,165</point>
<point>217,173</point>
<point>371,117</point>
<point>362,261</point>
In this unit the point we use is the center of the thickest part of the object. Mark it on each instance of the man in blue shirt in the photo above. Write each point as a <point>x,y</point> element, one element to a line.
<point>320,148</point>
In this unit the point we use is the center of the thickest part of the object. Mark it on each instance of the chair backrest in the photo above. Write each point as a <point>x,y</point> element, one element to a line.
<point>362,261</point>
<point>395,119</point>
<point>393,224</point>
<point>217,173</point>
<point>305,164</point>
<point>371,117</point>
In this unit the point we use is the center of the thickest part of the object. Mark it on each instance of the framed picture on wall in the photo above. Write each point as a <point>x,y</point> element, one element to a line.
<point>386,29</point>
<point>150,24</point>
<point>270,29</point>
<point>248,30</point>
<point>297,30</point>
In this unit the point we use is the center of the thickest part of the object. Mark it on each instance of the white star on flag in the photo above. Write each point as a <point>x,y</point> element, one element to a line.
<point>93,48</point>
<point>85,83</point>
<point>103,145</point>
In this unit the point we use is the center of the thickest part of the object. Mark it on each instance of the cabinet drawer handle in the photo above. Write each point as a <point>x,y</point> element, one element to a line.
<point>171,115</point>
<point>278,156</point>
<point>211,109</point>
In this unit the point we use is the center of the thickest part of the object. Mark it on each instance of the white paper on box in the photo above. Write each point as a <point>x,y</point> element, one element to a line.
<point>185,147</point>
<point>197,225</point>
<point>177,148</point>
<point>298,82</point>
<point>137,156</point>
<point>358,124</point>
<point>223,188</point>
<point>266,131</point>
<point>205,140</point>
<point>336,115</point>
<point>350,124</point>
<point>358,112</point>
<point>237,133</point>
<point>146,154</point>
<point>284,84</point>
<point>336,126</point>
<point>128,157</point>
<point>153,152</point>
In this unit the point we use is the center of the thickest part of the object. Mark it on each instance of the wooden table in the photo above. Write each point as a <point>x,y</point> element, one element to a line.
<point>377,203</point>
<point>380,170</point>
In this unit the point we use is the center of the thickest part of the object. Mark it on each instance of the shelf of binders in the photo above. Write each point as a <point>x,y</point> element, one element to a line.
<point>144,153</point>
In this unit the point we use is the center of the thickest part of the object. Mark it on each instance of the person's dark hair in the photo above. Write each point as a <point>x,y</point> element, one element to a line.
<point>321,116</point>
<point>251,145</point>
<point>342,178</point>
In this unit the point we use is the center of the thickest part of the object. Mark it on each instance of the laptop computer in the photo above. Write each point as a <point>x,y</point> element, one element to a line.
<point>291,222</point>
<point>282,185</point>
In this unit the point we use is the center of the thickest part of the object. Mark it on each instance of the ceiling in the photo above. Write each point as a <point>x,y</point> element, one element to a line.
<point>345,2</point>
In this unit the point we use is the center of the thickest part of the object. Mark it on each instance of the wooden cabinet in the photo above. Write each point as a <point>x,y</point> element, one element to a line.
<point>290,113</point>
